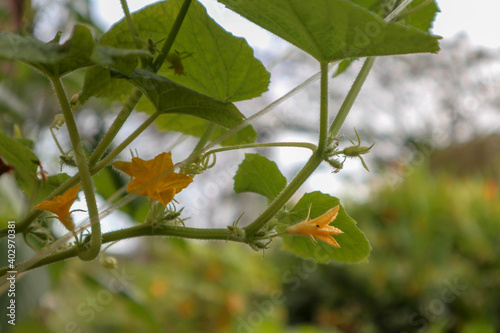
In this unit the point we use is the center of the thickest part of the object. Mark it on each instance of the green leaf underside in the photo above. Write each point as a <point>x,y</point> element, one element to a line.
<point>216,63</point>
<point>331,30</point>
<point>23,160</point>
<point>170,97</point>
<point>354,247</point>
<point>419,13</point>
<point>260,175</point>
<point>182,123</point>
<point>57,60</point>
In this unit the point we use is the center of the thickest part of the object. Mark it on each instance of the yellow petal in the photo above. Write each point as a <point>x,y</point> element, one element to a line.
<point>328,239</point>
<point>60,205</point>
<point>123,167</point>
<point>318,228</point>
<point>327,217</point>
<point>156,178</point>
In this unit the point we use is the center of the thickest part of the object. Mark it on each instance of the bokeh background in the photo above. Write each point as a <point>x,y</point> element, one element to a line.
<point>430,204</point>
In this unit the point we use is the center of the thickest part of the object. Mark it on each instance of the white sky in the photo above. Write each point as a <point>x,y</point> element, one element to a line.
<point>479,19</point>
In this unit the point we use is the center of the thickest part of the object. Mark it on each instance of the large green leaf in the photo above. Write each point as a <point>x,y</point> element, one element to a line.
<point>260,175</point>
<point>354,247</point>
<point>23,160</point>
<point>331,30</point>
<point>57,60</point>
<point>170,97</point>
<point>219,64</point>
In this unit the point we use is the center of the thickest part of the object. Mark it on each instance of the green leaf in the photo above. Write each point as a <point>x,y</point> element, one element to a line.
<point>343,66</point>
<point>123,60</point>
<point>190,125</point>
<point>331,30</point>
<point>57,60</point>
<point>50,184</point>
<point>216,64</point>
<point>419,13</point>
<point>258,174</point>
<point>23,160</point>
<point>354,247</point>
<point>170,97</point>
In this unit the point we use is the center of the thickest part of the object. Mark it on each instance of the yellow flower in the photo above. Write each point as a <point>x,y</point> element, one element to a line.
<point>60,206</point>
<point>318,228</point>
<point>154,178</point>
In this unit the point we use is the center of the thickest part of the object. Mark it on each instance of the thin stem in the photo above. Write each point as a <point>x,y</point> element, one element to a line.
<point>323,113</point>
<point>111,156</point>
<point>171,36</point>
<point>115,126</point>
<point>56,141</point>
<point>83,169</point>
<point>307,145</point>
<point>398,10</point>
<point>205,138</point>
<point>306,171</point>
<point>284,196</point>
<point>130,24</point>
<point>137,231</point>
<point>351,97</point>
<point>145,62</point>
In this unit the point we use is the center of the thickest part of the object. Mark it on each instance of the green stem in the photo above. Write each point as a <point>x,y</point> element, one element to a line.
<point>323,108</point>
<point>311,165</point>
<point>284,196</point>
<point>131,25</point>
<point>171,36</point>
<point>351,97</point>
<point>111,156</point>
<point>56,141</point>
<point>138,231</point>
<point>307,145</point>
<point>116,126</point>
<point>83,168</point>
<point>205,138</point>
<point>145,62</point>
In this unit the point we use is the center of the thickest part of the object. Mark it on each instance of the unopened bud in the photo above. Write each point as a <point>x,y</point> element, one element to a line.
<point>108,262</point>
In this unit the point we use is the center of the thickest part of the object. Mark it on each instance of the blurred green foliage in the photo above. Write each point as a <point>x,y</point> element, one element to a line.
<point>434,264</point>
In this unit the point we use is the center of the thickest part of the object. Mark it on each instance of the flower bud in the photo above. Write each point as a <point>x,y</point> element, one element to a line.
<point>108,262</point>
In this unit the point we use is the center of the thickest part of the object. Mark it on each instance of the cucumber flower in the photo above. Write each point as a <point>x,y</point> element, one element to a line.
<point>154,178</point>
<point>60,206</point>
<point>319,227</point>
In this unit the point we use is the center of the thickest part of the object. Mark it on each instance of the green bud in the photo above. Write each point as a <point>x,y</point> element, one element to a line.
<point>108,262</point>
<point>335,164</point>
<point>355,151</point>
